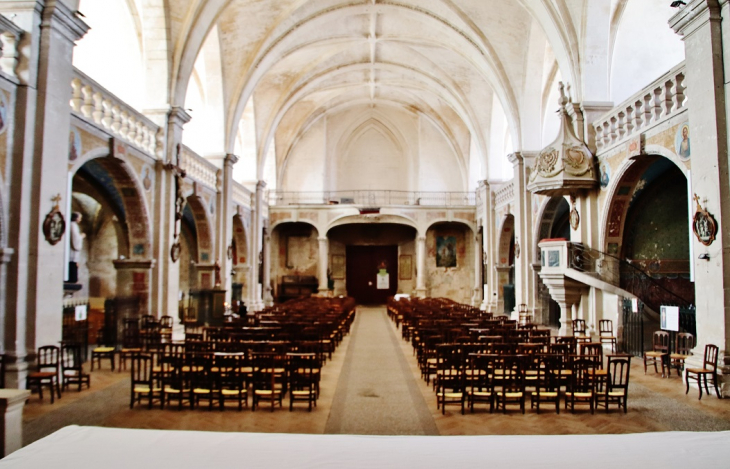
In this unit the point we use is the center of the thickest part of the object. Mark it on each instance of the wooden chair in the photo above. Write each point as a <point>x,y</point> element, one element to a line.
<point>450,377</point>
<point>203,380</point>
<point>481,384</point>
<point>683,346</point>
<point>232,380</point>
<point>579,331</point>
<point>509,382</point>
<point>605,333</point>
<point>709,368</point>
<point>175,382</point>
<point>303,378</point>
<point>131,342</point>
<point>72,368</point>
<point>547,387</point>
<point>142,381</point>
<point>659,352</point>
<point>617,386</point>
<point>47,371</point>
<point>166,324</point>
<point>268,378</point>
<point>582,384</point>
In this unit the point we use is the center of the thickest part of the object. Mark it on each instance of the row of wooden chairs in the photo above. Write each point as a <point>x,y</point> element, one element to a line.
<point>58,368</point>
<point>500,380</point>
<point>221,377</point>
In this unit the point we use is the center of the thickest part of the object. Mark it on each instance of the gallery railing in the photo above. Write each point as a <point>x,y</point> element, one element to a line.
<point>199,169</point>
<point>10,35</point>
<point>659,101</point>
<point>374,198</point>
<point>95,103</point>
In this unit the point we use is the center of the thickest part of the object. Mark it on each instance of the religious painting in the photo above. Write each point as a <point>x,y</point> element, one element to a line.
<point>54,225</point>
<point>74,144</point>
<point>605,171</point>
<point>704,225</point>
<point>445,251</point>
<point>681,142</point>
<point>338,266</point>
<point>405,267</point>
<point>175,252</point>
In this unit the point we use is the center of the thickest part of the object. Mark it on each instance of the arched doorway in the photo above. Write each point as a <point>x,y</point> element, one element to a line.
<point>359,252</point>
<point>506,266</point>
<point>554,223</point>
<point>649,230</point>
<point>294,260</point>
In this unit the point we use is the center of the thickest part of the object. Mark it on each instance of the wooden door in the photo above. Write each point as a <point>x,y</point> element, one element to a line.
<point>362,267</point>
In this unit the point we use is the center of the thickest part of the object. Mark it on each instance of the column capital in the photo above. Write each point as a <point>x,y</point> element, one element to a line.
<point>323,239</point>
<point>230,159</point>
<point>694,15</point>
<point>58,16</point>
<point>515,158</point>
<point>178,116</point>
<point>421,239</point>
<point>260,185</point>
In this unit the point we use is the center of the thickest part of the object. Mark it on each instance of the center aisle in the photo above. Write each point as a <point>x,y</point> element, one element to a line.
<point>376,393</point>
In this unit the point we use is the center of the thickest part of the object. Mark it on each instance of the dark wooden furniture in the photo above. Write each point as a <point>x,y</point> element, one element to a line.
<point>709,368</point>
<point>659,352</point>
<point>683,346</point>
<point>47,371</point>
<point>605,333</point>
<point>72,367</point>
<point>297,286</point>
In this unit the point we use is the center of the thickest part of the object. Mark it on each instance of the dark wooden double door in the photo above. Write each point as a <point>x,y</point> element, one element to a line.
<point>362,267</point>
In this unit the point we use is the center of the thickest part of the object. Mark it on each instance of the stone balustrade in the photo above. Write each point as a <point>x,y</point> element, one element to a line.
<point>99,106</point>
<point>199,169</point>
<point>373,198</point>
<point>654,104</point>
<point>504,194</point>
<point>241,195</point>
<point>10,35</point>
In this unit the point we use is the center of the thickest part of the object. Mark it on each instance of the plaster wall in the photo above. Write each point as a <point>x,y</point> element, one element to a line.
<point>451,282</point>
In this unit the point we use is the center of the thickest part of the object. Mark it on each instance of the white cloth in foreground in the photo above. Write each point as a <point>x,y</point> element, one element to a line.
<point>112,448</point>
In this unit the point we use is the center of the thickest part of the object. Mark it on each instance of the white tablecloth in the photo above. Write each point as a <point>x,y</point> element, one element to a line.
<point>112,448</point>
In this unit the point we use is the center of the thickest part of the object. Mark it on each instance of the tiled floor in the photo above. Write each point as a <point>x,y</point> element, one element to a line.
<point>655,403</point>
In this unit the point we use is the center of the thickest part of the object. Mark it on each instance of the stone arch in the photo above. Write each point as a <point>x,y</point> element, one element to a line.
<point>638,197</point>
<point>450,267</point>
<point>121,182</point>
<point>552,223</point>
<point>203,229</point>
<point>505,264</point>
<point>350,218</point>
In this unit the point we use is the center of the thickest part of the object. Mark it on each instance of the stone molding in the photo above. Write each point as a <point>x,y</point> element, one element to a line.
<point>694,15</point>
<point>58,16</point>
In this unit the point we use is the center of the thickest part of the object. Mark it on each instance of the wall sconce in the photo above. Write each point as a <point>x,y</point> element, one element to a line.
<point>704,256</point>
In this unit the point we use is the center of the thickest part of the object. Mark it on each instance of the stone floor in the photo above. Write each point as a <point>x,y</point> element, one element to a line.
<point>372,385</point>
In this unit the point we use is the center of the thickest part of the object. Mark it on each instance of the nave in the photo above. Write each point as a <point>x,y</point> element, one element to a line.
<point>372,385</point>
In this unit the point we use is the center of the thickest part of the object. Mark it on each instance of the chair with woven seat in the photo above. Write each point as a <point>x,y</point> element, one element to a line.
<point>231,379</point>
<point>142,382</point>
<point>582,384</point>
<point>72,368</point>
<point>709,368</point>
<point>268,378</point>
<point>617,385</point>
<point>204,382</point>
<point>48,367</point>
<point>102,352</point>
<point>131,342</point>
<point>480,372</point>
<point>450,377</point>
<point>303,379</point>
<point>683,345</point>
<point>659,352</point>
<point>547,386</point>
<point>605,333</point>
<point>166,324</point>
<point>509,382</point>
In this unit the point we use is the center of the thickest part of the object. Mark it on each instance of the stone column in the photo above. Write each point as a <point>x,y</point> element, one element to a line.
<point>484,219</point>
<point>323,263</point>
<point>22,227</point>
<point>6,254</point>
<point>520,209</point>
<point>60,28</point>
<point>166,275</point>
<point>225,223</point>
<point>11,428</point>
<point>476,298</point>
<point>421,266</point>
<point>133,280</point>
<point>268,298</point>
<point>257,302</point>
<point>707,64</point>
